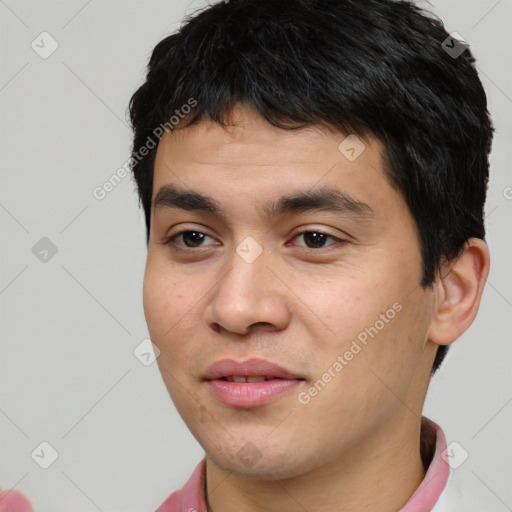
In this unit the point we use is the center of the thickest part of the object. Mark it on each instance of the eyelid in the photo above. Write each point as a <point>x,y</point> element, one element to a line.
<point>184,227</point>
<point>336,239</point>
<point>313,229</point>
<point>168,239</point>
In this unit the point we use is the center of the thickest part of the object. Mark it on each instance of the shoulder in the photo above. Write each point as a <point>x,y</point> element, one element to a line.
<point>191,497</point>
<point>171,504</point>
<point>14,501</point>
<point>461,494</point>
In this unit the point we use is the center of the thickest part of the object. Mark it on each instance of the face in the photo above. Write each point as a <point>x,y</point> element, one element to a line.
<point>327,290</point>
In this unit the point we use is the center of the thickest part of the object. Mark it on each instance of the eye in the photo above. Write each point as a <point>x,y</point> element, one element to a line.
<point>189,238</point>
<point>315,239</point>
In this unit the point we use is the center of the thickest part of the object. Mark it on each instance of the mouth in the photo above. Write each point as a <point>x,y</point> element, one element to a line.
<point>240,378</point>
<point>248,368</point>
<point>249,393</point>
<point>250,383</point>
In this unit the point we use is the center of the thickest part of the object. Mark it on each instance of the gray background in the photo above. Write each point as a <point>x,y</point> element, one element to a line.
<point>68,375</point>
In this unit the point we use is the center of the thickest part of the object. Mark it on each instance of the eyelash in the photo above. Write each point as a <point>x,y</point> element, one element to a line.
<point>179,248</point>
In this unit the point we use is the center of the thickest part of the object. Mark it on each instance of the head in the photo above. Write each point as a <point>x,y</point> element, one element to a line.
<point>265,114</point>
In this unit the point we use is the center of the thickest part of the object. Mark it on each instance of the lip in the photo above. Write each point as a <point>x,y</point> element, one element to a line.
<point>253,367</point>
<point>249,394</point>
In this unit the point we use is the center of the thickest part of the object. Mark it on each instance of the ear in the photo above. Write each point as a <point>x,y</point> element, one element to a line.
<point>459,292</point>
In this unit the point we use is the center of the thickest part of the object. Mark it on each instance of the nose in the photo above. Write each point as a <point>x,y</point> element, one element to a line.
<point>250,296</point>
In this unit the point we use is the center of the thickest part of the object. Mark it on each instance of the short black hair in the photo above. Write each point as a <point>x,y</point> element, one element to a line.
<point>364,67</point>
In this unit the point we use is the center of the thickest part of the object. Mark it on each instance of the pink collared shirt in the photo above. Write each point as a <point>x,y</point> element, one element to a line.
<point>427,498</point>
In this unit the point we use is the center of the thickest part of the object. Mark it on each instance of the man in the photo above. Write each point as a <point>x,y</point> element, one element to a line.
<point>313,175</point>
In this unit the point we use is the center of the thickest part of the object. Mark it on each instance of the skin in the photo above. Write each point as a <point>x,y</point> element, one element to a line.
<point>355,445</point>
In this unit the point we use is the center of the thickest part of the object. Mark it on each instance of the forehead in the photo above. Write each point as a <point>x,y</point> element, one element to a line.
<point>251,161</point>
<point>250,139</point>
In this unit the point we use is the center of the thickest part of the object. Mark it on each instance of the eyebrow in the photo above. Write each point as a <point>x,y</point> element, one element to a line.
<point>322,199</point>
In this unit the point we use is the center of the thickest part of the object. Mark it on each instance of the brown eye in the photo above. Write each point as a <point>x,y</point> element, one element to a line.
<point>315,239</point>
<point>190,238</point>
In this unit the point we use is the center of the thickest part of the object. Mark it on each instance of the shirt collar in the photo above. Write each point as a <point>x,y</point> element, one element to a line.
<point>432,485</point>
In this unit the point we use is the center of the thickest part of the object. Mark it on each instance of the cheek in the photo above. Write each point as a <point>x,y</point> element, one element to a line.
<point>173,307</point>
<point>392,352</point>
<point>168,309</point>
<point>340,307</point>
<point>372,324</point>
<point>166,302</point>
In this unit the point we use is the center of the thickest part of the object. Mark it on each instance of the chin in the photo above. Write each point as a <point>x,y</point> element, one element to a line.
<point>266,464</point>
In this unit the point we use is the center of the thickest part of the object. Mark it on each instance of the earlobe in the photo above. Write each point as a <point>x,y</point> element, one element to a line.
<point>460,291</point>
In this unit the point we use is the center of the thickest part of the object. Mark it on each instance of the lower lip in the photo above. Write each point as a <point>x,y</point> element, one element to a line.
<point>250,394</point>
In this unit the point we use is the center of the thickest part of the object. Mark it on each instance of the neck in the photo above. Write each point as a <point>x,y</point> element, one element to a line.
<point>380,473</point>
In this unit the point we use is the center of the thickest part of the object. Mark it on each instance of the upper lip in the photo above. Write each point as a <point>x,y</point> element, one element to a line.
<point>253,367</point>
